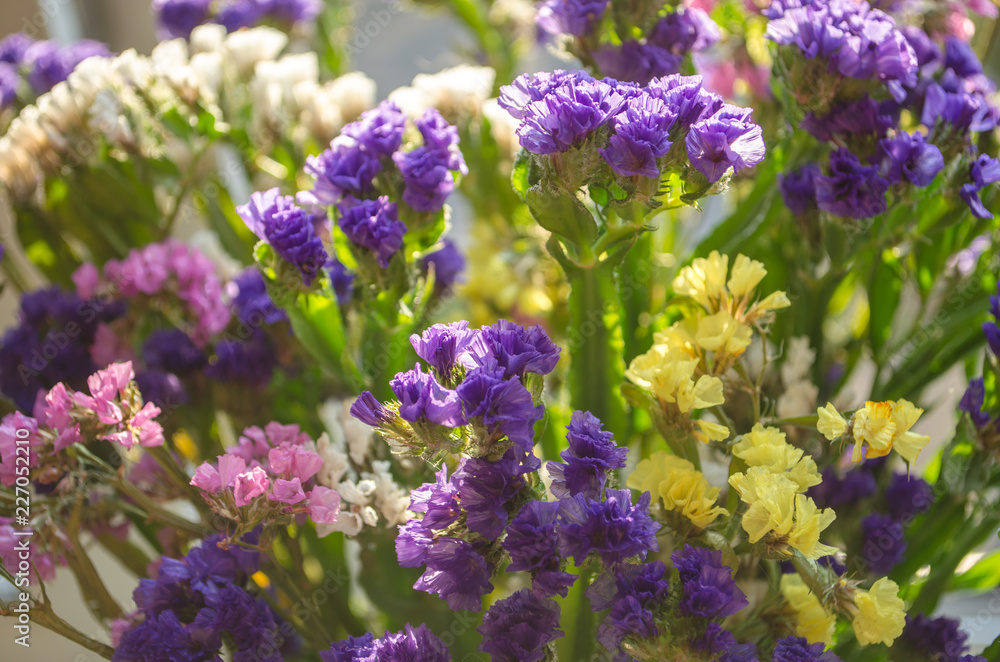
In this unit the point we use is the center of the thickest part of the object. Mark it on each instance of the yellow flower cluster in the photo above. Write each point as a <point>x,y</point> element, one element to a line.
<point>773,489</point>
<point>812,620</point>
<point>766,447</point>
<point>882,426</point>
<point>880,613</point>
<point>681,487</point>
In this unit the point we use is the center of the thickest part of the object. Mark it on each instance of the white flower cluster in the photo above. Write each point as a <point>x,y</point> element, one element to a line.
<point>799,397</point>
<point>365,495</point>
<point>458,93</point>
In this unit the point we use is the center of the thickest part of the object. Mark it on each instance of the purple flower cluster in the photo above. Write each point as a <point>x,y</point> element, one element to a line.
<point>408,645</point>
<point>43,64</point>
<point>720,642</point>
<point>177,18</point>
<point>855,40</point>
<point>448,263</point>
<point>293,233</point>
<point>864,118</point>
<point>798,649</point>
<point>518,628</point>
<point>566,110</point>
<point>707,583</point>
<point>591,454</point>
<point>935,639</point>
<point>633,593</point>
<point>851,189</point>
<point>195,603</point>
<point>38,352</point>
<point>348,168</point>
<point>974,399</point>
<point>985,170</point>
<point>374,226</point>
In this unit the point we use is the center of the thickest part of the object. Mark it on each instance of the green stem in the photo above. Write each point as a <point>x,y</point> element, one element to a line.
<point>578,620</point>
<point>596,371</point>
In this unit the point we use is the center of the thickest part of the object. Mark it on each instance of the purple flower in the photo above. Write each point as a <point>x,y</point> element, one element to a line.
<point>960,58</point>
<point>441,137</point>
<point>10,82</point>
<point>533,544</point>
<point>641,137</point>
<point>984,171</point>
<point>636,62</point>
<point>518,628</point>
<point>514,98</point>
<point>684,30</point>
<point>517,349</point>
<point>421,397</point>
<point>344,169</point>
<point>963,111</point>
<point>177,18</point>
<point>685,96</point>
<point>457,573</point>
<point>907,496</point>
<point>448,266</point>
<point>379,131</point>
<point>504,406</point>
<point>573,17</point>
<point>972,401</point>
<point>566,115</point>
<point>14,46</point>
<point>369,411</point>
<point>726,139</point>
<point>884,542</point>
<point>428,180</point>
<point>412,543</point>
<point>851,189</point>
<point>709,589</point>
<point>250,362</point>
<point>717,641</point>
<point>445,346</point>
<point>798,649</point>
<point>908,156</point>
<point>935,639</point>
<point>834,492</point>
<point>171,350</point>
<point>247,620</point>
<point>438,501</point>
<point>49,64</point>
<point>484,490</point>
<point>352,649</point>
<point>926,50</point>
<point>633,594</point>
<point>288,228</point>
<point>798,188</point>
<point>373,225</point>
<point>863,117</point>
<point>613,528</point>
<point>409,645</point>
<point>592,453</point>
<point>250,302</point>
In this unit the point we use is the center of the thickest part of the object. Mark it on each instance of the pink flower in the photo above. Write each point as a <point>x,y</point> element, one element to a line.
<point>206,478</point>
<point>105,387</point>
<point>279,434</point>
<point>67,438</point>
<point>324,505</point>
<point>249,485</point>
<point>288,491</point>
<point>230,466</point>
<point>58,405</point>
<point>108,347</point>
<point>86,278</point>
<point>149,432</point>
<point>296,461</point>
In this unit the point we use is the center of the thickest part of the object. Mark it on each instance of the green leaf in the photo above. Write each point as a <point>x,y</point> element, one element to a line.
<point>520,175</point>
<point>884,289</point>
<point>983,576</point>
<point>563,215</point>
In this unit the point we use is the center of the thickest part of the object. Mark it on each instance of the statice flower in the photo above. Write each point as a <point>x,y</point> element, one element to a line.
<point>518,628</point>
<point>533,544</point>
<point>984,171</point>
<point>374,226</point>
<point>636,61</point>
<point>48,63</point>
<point>856,485</point>
<point>177,18</point>
<point>171,350</point>
<point>562,116</point>
<point>409,644</point>
<point>514,98</point>
<point>289,229</point>
<point>709,589</point>
<point>345,169</point>
<point>851,189</point>
<point>884,542</point>
<point>456,572</point>
<point>908,156</point>
<point>862,117</point>
<point>718,641</point>
<point>13,48</point>
<point>484,489</point>
<point>798,188</point>
<point>573,17</point>
<point>907,496</point>
<point>592,453</point>
<point>516,349</point>
<point>641,137</point>
<point>973,400</point>
<point>613,528</point>
<point>10,81</point>
<point>798,649</point>
<point>633,593</point>
<point>727,139</point>
<point>446,346</point>
<point>250,302</point>
<point>427,170</point>
<point>379,131</point>
<point>936,639</point>
<point>448,262</point>
<point>422,398</point>
<point>236,14</point>
<point>958,109</point>
<point>503,406</point>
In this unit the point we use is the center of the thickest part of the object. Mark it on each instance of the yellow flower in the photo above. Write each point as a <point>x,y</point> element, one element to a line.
<point>777,508</point>
<point>880,617</point>
<point>812,621</point>
<point>704,280</point>
<point>722,333</point>
<point>774,301</point>
<point>670,376</point>
<point>831,424</point>
<point>708,431</point>
<point>746,275</point>
<point>873,425</point>
<point>681,487</point>
<point>766,447</point>
<point>907,444</point>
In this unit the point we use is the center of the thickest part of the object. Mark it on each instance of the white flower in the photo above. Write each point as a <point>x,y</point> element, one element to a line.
<point>458,92</point>
<point>799,359</point>
<point>207,38</point>
<point>348,523</point>
<point>245,48</point>
<point>352,493</point>
<point>335,463</point>
<point>207,70</point>
<point>797,400</point>
<point>390,499</point>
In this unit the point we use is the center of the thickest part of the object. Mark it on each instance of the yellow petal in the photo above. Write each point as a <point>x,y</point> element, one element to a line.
<point>774,301</point>
<point>831,424</point>
<point>880,617</point>
<point>745,276</point>
<point>709,431</point>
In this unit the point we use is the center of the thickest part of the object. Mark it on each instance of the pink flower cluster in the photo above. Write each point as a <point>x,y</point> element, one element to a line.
<point>278,463</point>
<point>18,436</point>
<point>113,406</point>
<point>168,267</point>
<point>13,556</point>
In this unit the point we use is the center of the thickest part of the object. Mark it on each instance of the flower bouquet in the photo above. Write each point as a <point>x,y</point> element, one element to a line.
<point>625,359</point>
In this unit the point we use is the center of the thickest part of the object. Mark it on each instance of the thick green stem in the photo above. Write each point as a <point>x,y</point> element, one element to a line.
<point>596,370</point>
<point>635,276</point>
<point>578,621</point>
